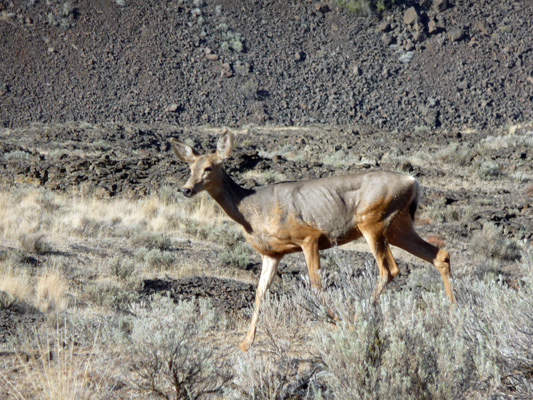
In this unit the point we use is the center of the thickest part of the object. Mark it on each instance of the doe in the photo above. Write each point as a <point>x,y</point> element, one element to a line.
<point>313,215</point>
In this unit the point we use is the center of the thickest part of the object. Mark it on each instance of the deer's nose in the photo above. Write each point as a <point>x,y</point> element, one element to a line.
<point>186,192</point>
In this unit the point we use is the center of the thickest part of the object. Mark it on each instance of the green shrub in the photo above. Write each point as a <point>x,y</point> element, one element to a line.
<point>237,255</point>
<point>121,268</point>
<point>491,244</point>
<point>488,171</point>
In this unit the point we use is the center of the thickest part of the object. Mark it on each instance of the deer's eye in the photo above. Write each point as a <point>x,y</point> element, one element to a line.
<point>208,169</point>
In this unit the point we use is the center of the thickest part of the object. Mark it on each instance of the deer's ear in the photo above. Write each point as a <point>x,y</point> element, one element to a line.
<point>184,152</point>
<point>225,145</point>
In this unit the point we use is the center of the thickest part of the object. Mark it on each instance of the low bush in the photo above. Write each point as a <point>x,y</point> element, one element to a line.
<point>109,295</point>
<point>238,255</point>
<point>409,345</point>
<point>490,243</point>
<point>172,357</point>
<point>122,268</point>
<point>279,368</point>
<point>151,240</point>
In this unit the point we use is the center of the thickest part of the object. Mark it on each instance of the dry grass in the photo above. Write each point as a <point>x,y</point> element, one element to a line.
<point>16,282</point>
<point>265,177</point>
<point>80,260</point>
<point>54,368</point>
<point>22,213</point>
<point>50,292</point>
<point>45,293</point>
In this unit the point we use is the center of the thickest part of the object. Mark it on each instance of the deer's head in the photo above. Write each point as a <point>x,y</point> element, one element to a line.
<point>206,170</point>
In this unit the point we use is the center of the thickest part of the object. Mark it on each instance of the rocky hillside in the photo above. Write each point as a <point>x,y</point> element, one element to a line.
<point>225,62</point>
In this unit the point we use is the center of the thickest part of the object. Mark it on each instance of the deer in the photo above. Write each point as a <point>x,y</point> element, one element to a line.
<point>313,215</point>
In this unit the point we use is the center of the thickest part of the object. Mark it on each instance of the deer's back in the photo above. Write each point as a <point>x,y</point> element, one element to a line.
<point>330,209</point>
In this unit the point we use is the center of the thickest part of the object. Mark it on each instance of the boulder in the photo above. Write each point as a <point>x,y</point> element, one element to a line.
<point>410,16</point>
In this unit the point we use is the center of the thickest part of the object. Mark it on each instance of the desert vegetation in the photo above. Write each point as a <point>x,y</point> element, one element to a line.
<point>112,286</point>
<point>79,321</point>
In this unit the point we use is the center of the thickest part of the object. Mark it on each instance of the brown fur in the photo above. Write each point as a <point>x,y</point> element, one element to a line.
<point>315,215</point>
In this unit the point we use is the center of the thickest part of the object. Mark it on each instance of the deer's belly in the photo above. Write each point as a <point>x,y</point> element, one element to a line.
<point>285,242</point>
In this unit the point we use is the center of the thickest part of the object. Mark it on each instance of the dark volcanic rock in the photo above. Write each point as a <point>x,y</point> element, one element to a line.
<point>13,321</point>
<point>172,62</point>
<point>226,294</point>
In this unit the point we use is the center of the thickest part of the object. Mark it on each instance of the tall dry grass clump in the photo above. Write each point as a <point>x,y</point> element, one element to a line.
<point>54,368</point>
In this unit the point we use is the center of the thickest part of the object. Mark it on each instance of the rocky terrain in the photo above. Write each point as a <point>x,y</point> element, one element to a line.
<point>477,192</point>
<point>419,64</point>
<point>92,91</point>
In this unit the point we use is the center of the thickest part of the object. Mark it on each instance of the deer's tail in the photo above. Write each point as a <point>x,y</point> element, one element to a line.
<point>415,199</point>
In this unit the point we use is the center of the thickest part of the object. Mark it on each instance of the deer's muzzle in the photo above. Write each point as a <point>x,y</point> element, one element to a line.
<point>186,192</point>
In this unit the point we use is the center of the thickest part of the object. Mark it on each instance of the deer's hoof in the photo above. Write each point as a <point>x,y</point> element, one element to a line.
<point>244,346</point>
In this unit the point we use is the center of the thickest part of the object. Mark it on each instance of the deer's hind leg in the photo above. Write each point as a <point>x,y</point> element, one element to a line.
<point>377,241</point>
<point>403,235</point>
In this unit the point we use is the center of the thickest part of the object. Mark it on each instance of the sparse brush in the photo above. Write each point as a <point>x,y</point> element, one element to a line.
<point>500,324</point>
<point>17,155</point>
<point>277,370</point>
<point>261,375</point>
<point>438,211</point>
<point>108,294</point>
<point>342,158</point>
<point>121,268</point>
<point>396,347</point>
<point>409,346</point>
<point>488,171</point>
<point>157,259</point>
<point>284,324</point>
<point>168,195</point>
<point>455,154</point>
<point>90,227</point>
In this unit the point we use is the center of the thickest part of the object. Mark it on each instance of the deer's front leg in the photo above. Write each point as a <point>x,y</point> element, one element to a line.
<point>270,265</point>
<point>312,259</point>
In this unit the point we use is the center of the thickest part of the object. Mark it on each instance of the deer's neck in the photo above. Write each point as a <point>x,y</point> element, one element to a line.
<point>229,195</point>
